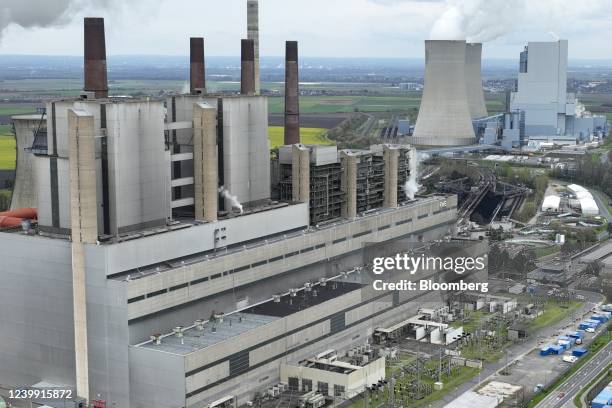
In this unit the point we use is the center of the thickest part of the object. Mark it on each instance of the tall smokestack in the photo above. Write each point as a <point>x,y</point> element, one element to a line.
<point>444,115</point>
<point>197,79</point>
<point>253,34</point>
<point>247,66</point>
<point>473,80</point>
<point>292,95</point>
<point>95,57</point>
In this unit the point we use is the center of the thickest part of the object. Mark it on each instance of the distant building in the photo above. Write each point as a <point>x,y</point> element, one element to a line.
<point>551,113</point>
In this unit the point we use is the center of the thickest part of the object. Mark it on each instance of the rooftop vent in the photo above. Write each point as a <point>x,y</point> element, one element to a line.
<point>199,324</point>
<point>292,292</point>
<point>276,298</point>
<point>156,338</point>
<point>178,331</point>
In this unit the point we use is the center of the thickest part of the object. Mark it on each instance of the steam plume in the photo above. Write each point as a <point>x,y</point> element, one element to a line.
<point>36,13</point>
<point>232,198</point>
<point>477,20</point>
<point>412,186</point>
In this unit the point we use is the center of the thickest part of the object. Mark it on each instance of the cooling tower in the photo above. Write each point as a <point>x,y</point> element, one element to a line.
<point>444,116</point>
<point>95,57</point>
<point>473,80</point>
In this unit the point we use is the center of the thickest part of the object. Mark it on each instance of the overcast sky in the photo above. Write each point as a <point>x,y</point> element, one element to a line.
<point>325,28</point>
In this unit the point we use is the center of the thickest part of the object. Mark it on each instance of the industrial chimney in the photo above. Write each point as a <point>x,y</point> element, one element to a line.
<point>95,57</point>
<point>197,81</point>
<point>253,34</point>
<point>292,95</point>
<point>247,66</point>
<point>473,80</point>
<point>444,116</point>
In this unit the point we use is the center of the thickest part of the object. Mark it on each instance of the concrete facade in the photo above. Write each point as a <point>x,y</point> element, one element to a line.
<point>300,173</point>
<point>205,162</point>
<point>444,115</point>
<point>84,222</point>
<point>349,183</point>
<point>137,184</point>
<point>391,158</point>
<point>473,80</point>
<point>542,88</point>
<point>246,150</point>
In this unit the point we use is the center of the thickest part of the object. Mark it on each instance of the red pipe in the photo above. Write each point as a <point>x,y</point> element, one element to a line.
<point>28,213</point>
<point>6,222</point>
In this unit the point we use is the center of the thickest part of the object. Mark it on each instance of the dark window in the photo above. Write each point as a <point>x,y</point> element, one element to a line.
<point>361,234</point>
<point>338,390</point>
<point>242,268</point>
<point>323,388</point>
<point>136,299</point>
<point>319,246</point>
<point>276,258</point>
<point>384,227</point>
<point>256,264</point>
<point>420,217</point>
<point>404,221</point>
<point>195,282</point>
<point>307,250</point>
<point>306,385</point>
<point>337,241</point>
<point>293,384</point>
<point>292,254</point>
<point>159,292</point>
<point>239,363</point>
<point>215,276</point>
<point>177,287</point>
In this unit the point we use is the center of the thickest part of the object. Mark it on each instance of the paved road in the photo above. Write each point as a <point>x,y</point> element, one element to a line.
<point>603,208</point>
<point>565,393</point>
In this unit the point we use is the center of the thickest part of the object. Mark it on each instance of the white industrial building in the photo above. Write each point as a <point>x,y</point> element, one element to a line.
<point>332,376</point>
<point>584,199</point>
<point>551,203</point>
<point>551,114</point>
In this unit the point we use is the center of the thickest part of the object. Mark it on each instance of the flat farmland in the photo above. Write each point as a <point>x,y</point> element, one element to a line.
<point>307,136</point>
<point>311,120</point>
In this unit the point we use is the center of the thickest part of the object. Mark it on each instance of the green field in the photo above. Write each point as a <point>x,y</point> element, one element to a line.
<point>307,136</point>
<point>553,313</point>
<point>7,152</point>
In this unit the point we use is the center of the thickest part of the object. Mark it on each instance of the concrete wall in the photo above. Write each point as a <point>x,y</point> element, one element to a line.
<point>246,151</point>
<point>542,90</point>
<point>331,242</point>
<point>138,163</point>
<point>36,306</point>
<point>444,115</point>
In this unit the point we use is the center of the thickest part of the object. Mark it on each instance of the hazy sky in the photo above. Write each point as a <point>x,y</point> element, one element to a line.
<point>327,28</point>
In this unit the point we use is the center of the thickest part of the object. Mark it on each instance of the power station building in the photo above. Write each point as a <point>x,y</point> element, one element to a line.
<point>173,266</point>
<point>551,114</point>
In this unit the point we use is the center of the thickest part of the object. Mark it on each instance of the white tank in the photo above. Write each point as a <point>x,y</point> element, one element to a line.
<point>444,116</point>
